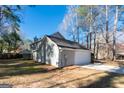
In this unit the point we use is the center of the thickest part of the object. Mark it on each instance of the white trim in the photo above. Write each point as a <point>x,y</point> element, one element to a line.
<point>72,49</point>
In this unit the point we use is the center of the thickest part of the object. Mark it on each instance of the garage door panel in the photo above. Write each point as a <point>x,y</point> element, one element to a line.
<point>67,57</point>
<point>82,57</point>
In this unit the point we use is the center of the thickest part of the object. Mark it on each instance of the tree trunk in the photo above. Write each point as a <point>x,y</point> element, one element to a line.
<point>90,26</point>
<point>74,38</point>
<point>114,33</point>
<point>97,50</point>
<point>87,40</point>
<point>1,49</point>
<point>15,46</point>
<point>94,51</point>
<point>90,40</point>
<point>78,36</point>
<point>107,34</point>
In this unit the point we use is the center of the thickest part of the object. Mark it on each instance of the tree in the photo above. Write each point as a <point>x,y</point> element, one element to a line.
<point>69,24</point>
<point>10,20</point>
<point>12,39</point>
<point>107,34</point>
<point>83,12</point>
<point>98,27</point>
<point>6,39</point>
<point>1,45</point>
<point>9,17</point>
<point>114,32</point>
<point>15,39</point>
<point>88,14</point>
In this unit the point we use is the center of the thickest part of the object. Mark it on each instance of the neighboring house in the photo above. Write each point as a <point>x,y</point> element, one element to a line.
<point>120,52</point>
<point>56,50</point>
<point>102,47</point>
<point>26,54</point>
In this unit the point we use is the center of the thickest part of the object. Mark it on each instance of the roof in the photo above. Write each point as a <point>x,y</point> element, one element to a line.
<point>62,42</point>
<point>58,35</point>
<point>66,43</point>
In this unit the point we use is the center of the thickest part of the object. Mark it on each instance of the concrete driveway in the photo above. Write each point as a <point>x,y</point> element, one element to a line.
<point>99,66</point>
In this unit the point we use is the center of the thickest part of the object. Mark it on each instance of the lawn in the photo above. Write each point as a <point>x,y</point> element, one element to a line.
<point>26,73</point>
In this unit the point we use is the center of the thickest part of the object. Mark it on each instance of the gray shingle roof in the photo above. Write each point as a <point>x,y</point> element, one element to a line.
<point>62,42</point>
<point>58,35</point>
<point>66,43</point>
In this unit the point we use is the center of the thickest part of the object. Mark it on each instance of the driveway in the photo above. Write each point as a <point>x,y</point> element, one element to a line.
<point>99,66</point>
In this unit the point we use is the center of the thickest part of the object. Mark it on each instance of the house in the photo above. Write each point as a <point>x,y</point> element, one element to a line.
<point>56,50</point>
<point>120,52</point>
<point>26,54</point>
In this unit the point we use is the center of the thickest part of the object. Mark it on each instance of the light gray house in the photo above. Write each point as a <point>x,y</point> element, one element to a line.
<point>56,50</point>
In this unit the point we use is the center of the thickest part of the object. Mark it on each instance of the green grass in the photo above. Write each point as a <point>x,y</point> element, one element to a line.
<point>17,67</point>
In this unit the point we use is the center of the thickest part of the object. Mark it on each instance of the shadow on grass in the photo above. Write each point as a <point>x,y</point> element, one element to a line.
<point>20,64</point>
<point>25,71</point>
<point>77,79</point>
<point>9,61</point>
<point>104,82</point>
<point>23,67</point>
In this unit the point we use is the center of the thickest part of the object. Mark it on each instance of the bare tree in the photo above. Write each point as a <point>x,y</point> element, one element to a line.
<point>107,33</point>
<point>114,33</point>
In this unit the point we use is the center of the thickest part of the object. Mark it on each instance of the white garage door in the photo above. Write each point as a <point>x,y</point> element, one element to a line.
<point>67,58</point>
<point>82,57</point>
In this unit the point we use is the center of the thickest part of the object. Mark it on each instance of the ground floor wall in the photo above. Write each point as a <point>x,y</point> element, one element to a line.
<point>74,57</point>
<point>47,52</point>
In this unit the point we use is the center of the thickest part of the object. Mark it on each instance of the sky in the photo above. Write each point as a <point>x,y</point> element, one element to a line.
<point>41,20</point>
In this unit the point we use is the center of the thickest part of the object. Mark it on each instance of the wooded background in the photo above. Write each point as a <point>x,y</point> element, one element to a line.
<point>99,28</point>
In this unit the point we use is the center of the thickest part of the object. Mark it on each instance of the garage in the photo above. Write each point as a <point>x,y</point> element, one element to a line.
<point>74,57</point>
<point>57,51</point>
